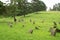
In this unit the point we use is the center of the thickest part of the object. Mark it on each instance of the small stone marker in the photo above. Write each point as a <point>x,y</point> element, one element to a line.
<point>33,22</point>
<point>10,24</point>
<point>36,28</point>
<point>31,31</point>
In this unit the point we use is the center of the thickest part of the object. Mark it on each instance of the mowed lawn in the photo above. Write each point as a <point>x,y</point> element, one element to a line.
<point>43,20</point>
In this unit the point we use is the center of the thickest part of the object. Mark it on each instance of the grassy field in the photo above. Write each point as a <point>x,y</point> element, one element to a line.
<point>17,32</point>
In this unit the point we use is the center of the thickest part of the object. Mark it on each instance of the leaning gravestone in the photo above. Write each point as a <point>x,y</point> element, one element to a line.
<point>53,31</point>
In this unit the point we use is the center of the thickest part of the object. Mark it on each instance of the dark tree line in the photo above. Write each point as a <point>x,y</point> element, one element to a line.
<point>21,7</point>
<point>56,7</point>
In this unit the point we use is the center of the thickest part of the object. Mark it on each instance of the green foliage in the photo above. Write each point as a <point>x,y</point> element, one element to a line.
<point>21,7</point>
<point>1,4</point>
<point>2,9</point>
<point>34,6</point>
<point>38,5</point>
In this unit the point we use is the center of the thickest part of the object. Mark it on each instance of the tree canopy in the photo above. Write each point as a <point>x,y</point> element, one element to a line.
<point>2,9</point>
<point>56,7</point>
<point>22,7</point>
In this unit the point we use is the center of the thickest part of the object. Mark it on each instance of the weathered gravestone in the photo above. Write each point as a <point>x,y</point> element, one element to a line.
<point>53,31</point>
<point>30,31</point>
<point>10,24</point>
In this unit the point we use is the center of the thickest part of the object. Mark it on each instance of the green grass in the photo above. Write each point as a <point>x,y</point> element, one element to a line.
<point>17,32</point>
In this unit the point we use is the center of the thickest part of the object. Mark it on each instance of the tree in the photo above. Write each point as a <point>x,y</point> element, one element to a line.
<point>38,5</point>
<point>12,8</point>
<point>56,7</point>
<point>2,9</point>
<point>22,4</point>
<point>1,6</point>
<point>25,7</point>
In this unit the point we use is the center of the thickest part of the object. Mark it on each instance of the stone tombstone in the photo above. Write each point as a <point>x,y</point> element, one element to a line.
<point>31,31</point>
<point>10,24</point>
<point>53,31</point>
